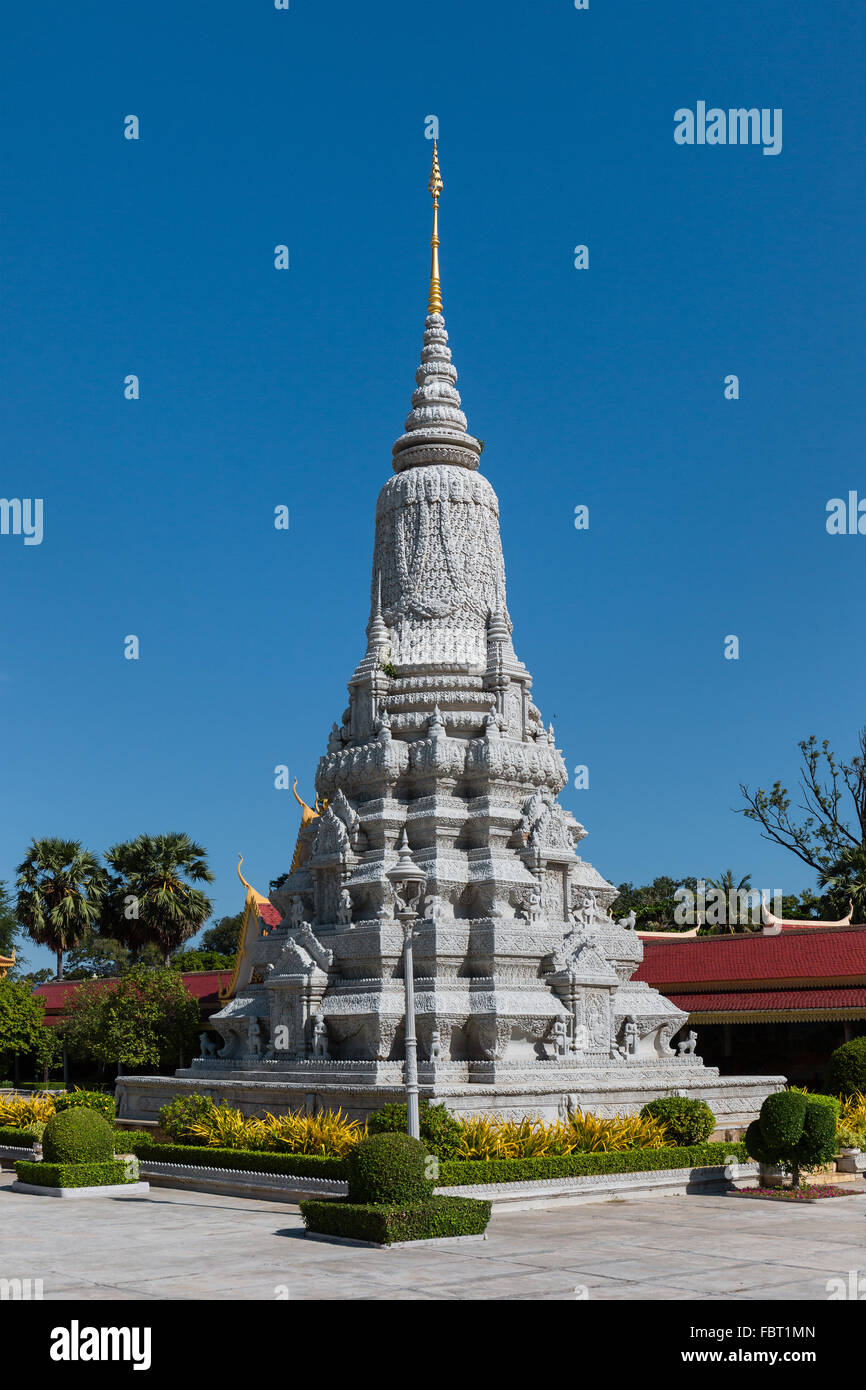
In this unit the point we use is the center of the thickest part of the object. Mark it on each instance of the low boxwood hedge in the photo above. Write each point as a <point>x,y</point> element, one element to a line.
<point>246,1160</point>
<point>389,1168</point>
<point>71,1174</point>
<point>437,1217</point>
<point>464,1171</point>
<point>18,1138</point>
<point>129,1141</point>
<point>452,1173</point>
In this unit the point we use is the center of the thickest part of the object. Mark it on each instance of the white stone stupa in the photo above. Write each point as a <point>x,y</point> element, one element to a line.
<point>524,999</point>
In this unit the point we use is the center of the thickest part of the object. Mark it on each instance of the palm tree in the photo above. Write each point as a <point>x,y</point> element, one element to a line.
<point>725,884</point>
<point>61,888</point>
<point>846,876</point>
<point>152,895</point>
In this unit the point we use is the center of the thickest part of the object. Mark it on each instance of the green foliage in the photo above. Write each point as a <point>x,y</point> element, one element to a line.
<point>440,1130</point>
<point>14,1138</point>
<point>388,669</point>
<point>100,1101</point>
<point>686,1121</point>
<point>781,1119</point>
<point>385,1224</point>
<point>223,935</point>
<point>8,922</point>
<point>179,1115</point>
<point>21,1023</point>
<point>129,1141</point>
<point>107,1173</point>
<point>201,960</point>
<point>846,1074</point>
<point>107,958</point>
<point>240,1160</point>
<point>78,1136</point>
<point>389,1168</point>
<point>845,878</point>
<point>152,895</point>
<point>795,1131</point>
<point>453,1172</point>
<point>577,1165</point>
<point>654,904</point>
<point>61,890</point>
<point>144,1018</point>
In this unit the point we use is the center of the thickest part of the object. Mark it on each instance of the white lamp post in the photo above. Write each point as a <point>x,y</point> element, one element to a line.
<point>408,883</point>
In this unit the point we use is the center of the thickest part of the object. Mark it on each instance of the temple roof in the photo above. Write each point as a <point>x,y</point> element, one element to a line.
<point>798,973</point>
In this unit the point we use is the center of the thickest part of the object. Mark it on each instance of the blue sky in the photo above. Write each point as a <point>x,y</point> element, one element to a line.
<point>261,387</point>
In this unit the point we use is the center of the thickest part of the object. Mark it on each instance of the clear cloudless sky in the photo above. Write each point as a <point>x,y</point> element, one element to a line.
<point>262,387</point>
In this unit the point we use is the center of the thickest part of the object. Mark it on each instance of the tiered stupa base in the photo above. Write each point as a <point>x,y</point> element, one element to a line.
<point>466,1088</point>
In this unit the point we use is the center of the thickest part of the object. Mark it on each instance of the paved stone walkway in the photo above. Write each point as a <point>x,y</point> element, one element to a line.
<point>176,1245</point>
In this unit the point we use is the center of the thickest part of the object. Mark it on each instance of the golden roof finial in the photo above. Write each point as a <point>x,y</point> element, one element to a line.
<point>434,298</point>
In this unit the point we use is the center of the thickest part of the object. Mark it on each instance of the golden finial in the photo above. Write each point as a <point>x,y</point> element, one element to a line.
<point>434,298</point>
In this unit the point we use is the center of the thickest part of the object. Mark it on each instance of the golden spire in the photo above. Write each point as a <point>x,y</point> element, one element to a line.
<point>434,298</point>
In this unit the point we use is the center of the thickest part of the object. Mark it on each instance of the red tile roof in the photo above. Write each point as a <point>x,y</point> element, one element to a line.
<point>270,914</point>
<point>748,1001</point>
<point>831,953</point>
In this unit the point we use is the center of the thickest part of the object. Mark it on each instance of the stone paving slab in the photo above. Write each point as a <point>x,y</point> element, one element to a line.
<point>183,1245</point>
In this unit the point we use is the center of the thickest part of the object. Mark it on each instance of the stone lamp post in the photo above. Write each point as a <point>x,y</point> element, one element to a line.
<point>408,883</point>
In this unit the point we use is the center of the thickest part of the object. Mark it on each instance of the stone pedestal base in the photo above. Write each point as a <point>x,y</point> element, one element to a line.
<point>547,1092</point>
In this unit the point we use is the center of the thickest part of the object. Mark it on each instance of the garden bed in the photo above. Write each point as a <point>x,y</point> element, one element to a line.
<point>809,1192</point>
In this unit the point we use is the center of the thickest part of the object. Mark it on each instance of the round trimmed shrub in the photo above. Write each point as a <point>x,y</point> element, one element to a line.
<point>795,1131</point>
<point>781,1120</point>
<point>389,1169</point>
<point>101,1101</point>
<point>78,1135</point>
<point>847,1071</point>
<point>686,1121</point>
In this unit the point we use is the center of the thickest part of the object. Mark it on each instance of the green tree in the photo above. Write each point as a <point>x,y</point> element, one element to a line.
<point>223,935</point>
<point>739,905</point>
<point>141,1020</point>
<point>153,897</point>
<point>654,903</point>
<point>106,958</point>
<point>61,889</point>
<point>22,1031</point>
<point>201,960</point>
<point>846,880</point>
<point>8,921</point>
<point>818,829</point>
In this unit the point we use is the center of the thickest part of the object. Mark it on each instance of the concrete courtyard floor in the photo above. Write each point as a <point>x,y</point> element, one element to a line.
<point>193,1245</point>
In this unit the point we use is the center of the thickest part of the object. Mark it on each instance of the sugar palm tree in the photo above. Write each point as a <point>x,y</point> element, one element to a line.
<point>153,897</point>
<point>846,876</point>
<point>61,889</point>
<point>726,885</point>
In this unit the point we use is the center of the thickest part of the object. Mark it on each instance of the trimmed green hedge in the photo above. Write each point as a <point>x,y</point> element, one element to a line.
<point>107,1174</point>
<point>456,1171</point>
<point>435,1218</point>
<point>464,1171</point>
<point>19,1138</point>
<point>128,1141</point>
<point>686,1121</point>
<point>388,1169</point>
<point>247,1160</point>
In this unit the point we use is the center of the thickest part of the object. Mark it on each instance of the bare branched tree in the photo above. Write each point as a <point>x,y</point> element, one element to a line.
<point>826,831</point>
